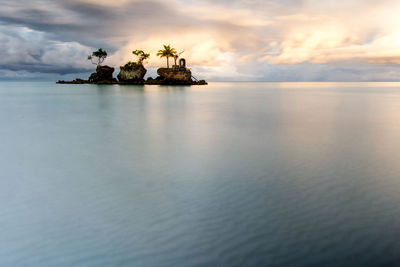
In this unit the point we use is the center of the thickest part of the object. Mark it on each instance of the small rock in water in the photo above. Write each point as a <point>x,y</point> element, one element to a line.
<point>103,74</point>
<point>132,73</point>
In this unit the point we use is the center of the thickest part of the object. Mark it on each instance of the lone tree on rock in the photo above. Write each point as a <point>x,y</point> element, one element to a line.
<point>167,52</point>
<point>141,56</point>
<point>98,57</point>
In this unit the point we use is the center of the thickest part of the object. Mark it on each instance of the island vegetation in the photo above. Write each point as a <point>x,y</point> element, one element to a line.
<point>133,72</point>
<point>98,57</point>
<point>141,55</point>
<point>167,52</point>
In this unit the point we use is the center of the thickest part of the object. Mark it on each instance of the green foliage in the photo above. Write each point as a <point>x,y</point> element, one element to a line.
<point>98,56</point>
<point>167,52</point>
<point>141,55</point>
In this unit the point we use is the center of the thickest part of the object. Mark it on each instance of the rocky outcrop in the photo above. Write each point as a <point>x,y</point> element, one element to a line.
<point>160,81</point>
<point>150,80</point>
<point>132,73</point>
<point>76,81</point>
<point>175,75</point>
<point>103,74</point>
<point>199,82</point>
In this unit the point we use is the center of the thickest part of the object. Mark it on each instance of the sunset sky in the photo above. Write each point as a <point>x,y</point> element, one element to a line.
<point>246,40</point>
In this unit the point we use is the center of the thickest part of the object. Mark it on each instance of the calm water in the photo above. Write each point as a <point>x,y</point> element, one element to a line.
<point>231,174</point>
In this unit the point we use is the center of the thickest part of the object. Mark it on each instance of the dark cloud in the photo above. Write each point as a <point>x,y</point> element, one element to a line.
<point>42,68</point>
<point>89,11</point>
<point>94,24</point>
<point>27,50</point>
<point>91,25</point>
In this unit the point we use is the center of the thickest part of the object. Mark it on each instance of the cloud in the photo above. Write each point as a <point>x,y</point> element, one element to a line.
<point>235,39</point>
<point>28,50</point>
<point>366,32</point>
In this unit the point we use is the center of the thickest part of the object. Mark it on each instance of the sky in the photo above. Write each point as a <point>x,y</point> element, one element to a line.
<point>222,40</point>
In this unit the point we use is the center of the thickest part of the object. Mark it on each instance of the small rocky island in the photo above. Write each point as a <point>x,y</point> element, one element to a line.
<point>134,72</point>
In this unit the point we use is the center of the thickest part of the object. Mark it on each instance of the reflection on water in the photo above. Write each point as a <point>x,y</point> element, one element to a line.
<point>230,174</point>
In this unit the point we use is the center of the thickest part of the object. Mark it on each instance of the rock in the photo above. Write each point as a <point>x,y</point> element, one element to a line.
<point>76,81</point>
<point>132,73</point>
<point>200,82</point>
<point>150,80</point>
<point>80,81</point>
<point>103,74</point>
<point>175,75</point>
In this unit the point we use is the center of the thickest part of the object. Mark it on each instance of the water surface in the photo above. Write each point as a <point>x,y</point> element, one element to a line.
<point>230,174</point>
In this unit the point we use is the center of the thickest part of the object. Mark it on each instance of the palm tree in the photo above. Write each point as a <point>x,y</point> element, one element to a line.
<point>167,52</point>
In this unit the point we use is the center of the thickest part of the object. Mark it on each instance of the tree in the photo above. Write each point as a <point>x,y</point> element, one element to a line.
<point>167,52</point>
<point>141,56</point>
<point>98,57</point>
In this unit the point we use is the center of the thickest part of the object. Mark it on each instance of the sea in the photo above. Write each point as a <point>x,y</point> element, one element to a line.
<point>228,174</point>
